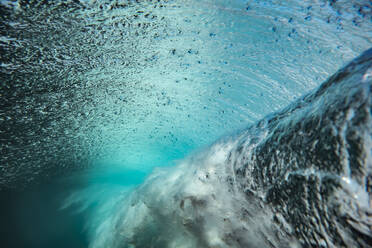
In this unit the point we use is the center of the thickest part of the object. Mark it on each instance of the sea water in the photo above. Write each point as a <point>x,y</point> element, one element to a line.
<point>99,95</point>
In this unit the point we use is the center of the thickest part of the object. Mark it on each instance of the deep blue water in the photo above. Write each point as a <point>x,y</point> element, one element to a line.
<point>97,96</point>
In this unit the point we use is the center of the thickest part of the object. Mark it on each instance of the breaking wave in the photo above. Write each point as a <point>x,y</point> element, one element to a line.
<point>96,94</point>
<point>298,178</point>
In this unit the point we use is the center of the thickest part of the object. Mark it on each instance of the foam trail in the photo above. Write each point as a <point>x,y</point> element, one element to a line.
<point>299,177</point>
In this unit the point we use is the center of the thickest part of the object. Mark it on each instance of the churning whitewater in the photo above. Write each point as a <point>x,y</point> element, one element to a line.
<point>298,178</point>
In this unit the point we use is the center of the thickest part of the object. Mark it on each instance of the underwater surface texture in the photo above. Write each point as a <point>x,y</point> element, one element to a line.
<point>185,123</point>
<point>298,178</point>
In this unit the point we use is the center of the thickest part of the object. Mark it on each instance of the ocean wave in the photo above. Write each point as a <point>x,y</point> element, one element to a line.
<point>298,178</point>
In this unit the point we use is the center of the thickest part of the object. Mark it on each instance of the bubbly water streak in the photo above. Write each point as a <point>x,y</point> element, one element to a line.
<point>142,83</point>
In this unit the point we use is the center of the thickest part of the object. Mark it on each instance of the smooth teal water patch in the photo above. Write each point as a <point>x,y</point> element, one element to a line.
<point>112,174</point>
<point>34,218</point>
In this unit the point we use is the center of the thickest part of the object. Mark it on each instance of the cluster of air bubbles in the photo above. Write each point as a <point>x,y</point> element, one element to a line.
<point>140,83</point>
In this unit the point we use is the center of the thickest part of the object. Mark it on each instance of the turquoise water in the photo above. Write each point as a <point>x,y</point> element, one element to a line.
<point>99,95</point>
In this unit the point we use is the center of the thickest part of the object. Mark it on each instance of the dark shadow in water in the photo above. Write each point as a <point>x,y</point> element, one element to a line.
<point>32,218</point>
